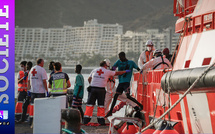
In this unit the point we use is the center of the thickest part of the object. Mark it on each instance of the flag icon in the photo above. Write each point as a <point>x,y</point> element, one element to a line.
<point>4,114</point>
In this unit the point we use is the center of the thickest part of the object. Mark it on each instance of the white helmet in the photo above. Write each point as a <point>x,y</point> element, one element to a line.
<point>149,42</point>
<point>107,62</point>
<point>157,51</point>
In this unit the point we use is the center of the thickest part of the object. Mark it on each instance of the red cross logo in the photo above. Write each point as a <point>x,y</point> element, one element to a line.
<point>100,72</point>
<point>34,72</point>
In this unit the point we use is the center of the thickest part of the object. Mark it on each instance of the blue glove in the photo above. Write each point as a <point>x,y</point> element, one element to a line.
<point>127,71</point>
<point>113,68</point>
<point>26,75</point>
<point>24,78</point>
<point>47,94</point>
<point>29,93</point>
<point>141,71</point>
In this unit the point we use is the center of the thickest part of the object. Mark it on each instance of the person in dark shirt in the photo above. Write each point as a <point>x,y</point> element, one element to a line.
<point>124,80</point>
<point>51,67</point>
<point>166,54</point>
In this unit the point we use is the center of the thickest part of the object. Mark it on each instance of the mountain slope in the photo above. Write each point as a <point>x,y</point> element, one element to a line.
<point>135,15</point>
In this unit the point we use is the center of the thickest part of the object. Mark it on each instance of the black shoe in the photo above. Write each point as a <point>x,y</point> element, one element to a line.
<point>141,107</point>
<point>108,114</point>
<point>136,108</point>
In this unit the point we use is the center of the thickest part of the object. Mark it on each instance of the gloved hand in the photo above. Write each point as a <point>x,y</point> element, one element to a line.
<point>47,94</point>
<point>26,75</point>
<point>113,68</point>
<point>141,71</point>
<point>127,71</point>
<point>29,93</point>
<point>24,78</point>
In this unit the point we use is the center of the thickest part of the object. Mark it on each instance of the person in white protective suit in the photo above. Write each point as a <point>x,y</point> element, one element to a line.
<point>159,62</point>
<point>146,55</point>
<point>111,90</point>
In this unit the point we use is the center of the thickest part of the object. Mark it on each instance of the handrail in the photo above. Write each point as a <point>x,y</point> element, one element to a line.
<point>183,11</point>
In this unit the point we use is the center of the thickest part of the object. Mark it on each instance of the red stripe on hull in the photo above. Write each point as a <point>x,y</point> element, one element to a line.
<point>182,53</point>
<point>187,116</point>
<point>211,105</point>
<point>195,45</point>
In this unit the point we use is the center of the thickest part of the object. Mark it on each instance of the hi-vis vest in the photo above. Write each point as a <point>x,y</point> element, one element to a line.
<point>59,86</point>
<point>23,85</point>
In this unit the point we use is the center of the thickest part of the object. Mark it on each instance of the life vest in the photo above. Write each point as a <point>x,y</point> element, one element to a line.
<point>59,86</point>
<point>22,86</point>
<point>147,53</point>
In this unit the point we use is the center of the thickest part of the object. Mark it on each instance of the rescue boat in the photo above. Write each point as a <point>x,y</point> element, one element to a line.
<point>181,99</point>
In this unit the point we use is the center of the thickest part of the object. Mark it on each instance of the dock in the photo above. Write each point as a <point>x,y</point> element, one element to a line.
<point>25,127</point>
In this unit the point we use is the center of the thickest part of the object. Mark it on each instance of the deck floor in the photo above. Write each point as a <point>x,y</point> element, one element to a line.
<point>25,127</point>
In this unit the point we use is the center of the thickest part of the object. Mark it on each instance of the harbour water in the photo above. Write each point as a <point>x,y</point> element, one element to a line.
<point>72,81</point>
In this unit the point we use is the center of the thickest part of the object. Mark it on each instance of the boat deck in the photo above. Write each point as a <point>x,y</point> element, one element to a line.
<point>25,127</point>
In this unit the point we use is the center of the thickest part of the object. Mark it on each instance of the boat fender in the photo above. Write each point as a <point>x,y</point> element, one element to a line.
<point>181,80</point>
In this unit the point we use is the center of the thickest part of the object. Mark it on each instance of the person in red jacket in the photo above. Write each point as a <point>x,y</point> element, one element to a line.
<point>22,89</point>
<point>25,106</point>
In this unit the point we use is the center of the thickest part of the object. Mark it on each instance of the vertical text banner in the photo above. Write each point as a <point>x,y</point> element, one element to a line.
<point>7,52</point>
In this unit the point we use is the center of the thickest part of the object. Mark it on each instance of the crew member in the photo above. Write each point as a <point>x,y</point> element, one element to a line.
<point>37,83</point>
<point>78,93</point>
<point>124,80</point>
<point>51,67</point>
<point>111,90</point>
<point>146,55</point>
<point>22,89</point>
<point>159,62</point>
<point>25,107</point>
<point>98,79</point>
<point>59,81</point>
<point>166,54</point>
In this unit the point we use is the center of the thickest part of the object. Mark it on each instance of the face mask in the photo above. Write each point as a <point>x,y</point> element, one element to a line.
<point>149,48</point>
<point>22,68</point>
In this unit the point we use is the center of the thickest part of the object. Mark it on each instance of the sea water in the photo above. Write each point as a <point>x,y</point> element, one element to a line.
<point>72,81</point>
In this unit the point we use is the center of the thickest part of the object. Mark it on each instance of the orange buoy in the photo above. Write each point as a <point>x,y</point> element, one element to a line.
<point>169,130</point>
<point>161,128</point>
<point>130,129</point>
<point>119,130</point>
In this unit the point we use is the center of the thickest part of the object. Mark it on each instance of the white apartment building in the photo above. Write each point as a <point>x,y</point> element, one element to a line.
<point>135,42</point>
<point>39,42</point>
<point>66,42</point>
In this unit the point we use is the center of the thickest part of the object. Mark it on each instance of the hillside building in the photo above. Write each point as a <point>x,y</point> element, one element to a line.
<point>135,42</point>
<point>93,38</point>
<point>66,42</point>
